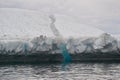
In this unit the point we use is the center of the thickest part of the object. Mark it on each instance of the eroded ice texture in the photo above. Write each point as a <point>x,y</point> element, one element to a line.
<point>103,43</point>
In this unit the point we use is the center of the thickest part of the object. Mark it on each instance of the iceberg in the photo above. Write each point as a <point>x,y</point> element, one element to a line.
<point>25,32</point>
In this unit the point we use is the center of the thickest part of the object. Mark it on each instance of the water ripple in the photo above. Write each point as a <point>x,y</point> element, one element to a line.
<point>75,71</point>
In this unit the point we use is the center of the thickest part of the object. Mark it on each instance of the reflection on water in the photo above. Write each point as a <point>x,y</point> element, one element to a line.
<point>75,71</point>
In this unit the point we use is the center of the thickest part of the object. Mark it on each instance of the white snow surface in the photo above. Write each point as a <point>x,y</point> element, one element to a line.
<point>19,23</point>
<point>24,30</point>
<point>23,23</point>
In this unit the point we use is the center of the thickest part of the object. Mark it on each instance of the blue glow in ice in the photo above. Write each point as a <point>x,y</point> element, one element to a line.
<point>65,53</point>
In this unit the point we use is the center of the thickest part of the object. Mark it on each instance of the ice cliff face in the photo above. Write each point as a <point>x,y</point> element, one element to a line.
<point>104,43</point>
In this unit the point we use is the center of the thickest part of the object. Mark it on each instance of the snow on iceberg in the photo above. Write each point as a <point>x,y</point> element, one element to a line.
<point>25,31</point>
<point>21,23</point>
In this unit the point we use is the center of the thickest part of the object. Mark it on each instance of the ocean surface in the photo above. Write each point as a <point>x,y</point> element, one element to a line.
<point>73,71</point>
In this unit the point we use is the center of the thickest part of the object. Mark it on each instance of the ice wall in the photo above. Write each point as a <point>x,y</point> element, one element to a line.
<point>104,43</point>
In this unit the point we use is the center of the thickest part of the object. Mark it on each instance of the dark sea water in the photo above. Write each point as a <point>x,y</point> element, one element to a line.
<point>74,71</point>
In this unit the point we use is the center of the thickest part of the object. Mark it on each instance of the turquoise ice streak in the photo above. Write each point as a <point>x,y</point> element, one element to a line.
<point>66,55</point>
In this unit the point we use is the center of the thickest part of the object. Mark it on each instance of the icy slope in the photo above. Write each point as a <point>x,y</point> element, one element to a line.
<point>25,23</point>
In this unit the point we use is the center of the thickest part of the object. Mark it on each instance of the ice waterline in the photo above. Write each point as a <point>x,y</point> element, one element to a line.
<point>62,45</point>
